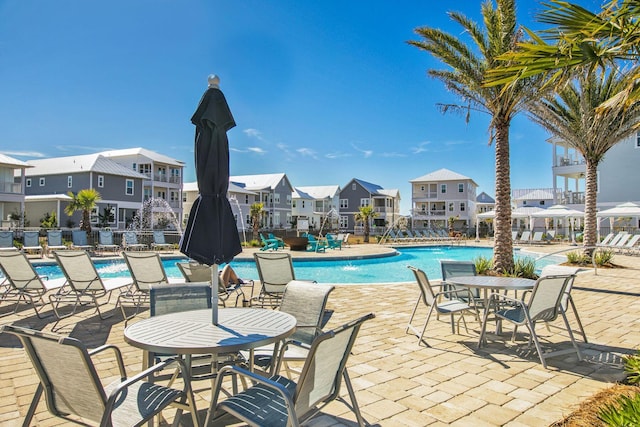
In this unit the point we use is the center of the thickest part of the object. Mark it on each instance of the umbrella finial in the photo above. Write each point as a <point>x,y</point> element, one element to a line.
<point>214,81</point>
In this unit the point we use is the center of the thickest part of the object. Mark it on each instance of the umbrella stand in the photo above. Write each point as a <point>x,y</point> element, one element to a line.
<point>214,293</point>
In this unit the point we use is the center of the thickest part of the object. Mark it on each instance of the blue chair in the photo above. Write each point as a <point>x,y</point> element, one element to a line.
<point>268,244</point>
<point>315,245</point>
<point>277,239</point>
<point>333,243</point>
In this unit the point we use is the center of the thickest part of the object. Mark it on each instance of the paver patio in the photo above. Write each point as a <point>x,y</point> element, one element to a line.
<point>397,382</point>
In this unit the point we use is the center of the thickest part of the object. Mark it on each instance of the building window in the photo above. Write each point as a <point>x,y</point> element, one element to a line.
<point>147,194</point>
<point>638,140</point>
<point>128,187</point>
<point>344,203</point>
<point>293,204</point>
<point>100,181</point>
<point>462,207</point>
<point>450,207</point>
<point>460,188</point>
<point>28,182</point>
<point>541,202</point>
<point>42,182</point>
<point>135,166</point>
<point>246,199</point>
<point>276,198</point>
<point>422,188</point>
<point>161,195</point>
<point>184,197</point>
<point>94,215</point>
<point>289,199</point>
<point>303,204</point>
<point>443,188</point>
<point>353,186</point>
<point>69,181</point>
<point>364,202</point>
<point>344,221</point>
<point>174,196</point>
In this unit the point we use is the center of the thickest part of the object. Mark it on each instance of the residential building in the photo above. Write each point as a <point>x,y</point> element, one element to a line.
<point>317,207</point>
<point>12,190</point>
<point>533,198</point>
<point>440,195</point>
<point>49,180</point>
<point>358,193</point>
<point>274,191</point>
<point>240,200</point>
<point>485,203</point>
<point>162,186</point>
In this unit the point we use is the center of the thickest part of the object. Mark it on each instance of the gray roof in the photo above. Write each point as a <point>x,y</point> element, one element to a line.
<point>193,186</point>
<point>258,182</point>
<point>317,192</point>
<point>484,198</point>
<point>442,175</point>
<point>139,151</point>
<point>76,164</point>
<point>536,195</point>
<point>11,162</point>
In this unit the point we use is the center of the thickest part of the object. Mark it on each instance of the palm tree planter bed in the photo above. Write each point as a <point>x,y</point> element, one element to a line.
<point>297,243</point>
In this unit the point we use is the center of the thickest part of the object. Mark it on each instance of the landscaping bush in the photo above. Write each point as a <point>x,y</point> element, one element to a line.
<point>625,411</point>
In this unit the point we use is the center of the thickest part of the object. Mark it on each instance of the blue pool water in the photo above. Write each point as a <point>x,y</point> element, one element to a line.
<point>377,270</point>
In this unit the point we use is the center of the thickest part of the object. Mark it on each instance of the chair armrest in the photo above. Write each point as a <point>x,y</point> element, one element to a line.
<point>456,291</point>
<point>118,354</point>
<point>504,298</point>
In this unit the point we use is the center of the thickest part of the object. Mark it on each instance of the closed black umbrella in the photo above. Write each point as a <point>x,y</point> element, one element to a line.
<point>211,236</point>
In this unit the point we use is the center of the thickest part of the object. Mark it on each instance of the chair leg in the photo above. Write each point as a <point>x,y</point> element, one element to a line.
<point>573,341</point>
<point>575,312</point>
<point>413,313</point>
<point>352,396</point>
<point>33,406</point>
<point>534,337</point>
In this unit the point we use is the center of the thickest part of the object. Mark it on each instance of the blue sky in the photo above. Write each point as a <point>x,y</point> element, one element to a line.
<point>322,91</point>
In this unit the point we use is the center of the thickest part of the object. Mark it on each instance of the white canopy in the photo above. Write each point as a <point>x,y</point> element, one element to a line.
<point>521,212</point>
<point>558,211</point>
<point>622,210</point>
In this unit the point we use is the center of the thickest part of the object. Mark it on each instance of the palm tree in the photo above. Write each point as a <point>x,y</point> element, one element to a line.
<point>364,215</point>
<point>573,117</point>
<point>255,213</point>
<point>465,77</point>
<point>85,201</point>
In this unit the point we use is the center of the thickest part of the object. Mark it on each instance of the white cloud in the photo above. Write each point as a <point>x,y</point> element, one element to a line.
<point>421,147</point>
<point>307,152</point>
<point>24,153</point>
<point>337,155</point>
<point>253,133</point>
<point>393,154</point>
<point>256,150</point>
<point>365,153</point>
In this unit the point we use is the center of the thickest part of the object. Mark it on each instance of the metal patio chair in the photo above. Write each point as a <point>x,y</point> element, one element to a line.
<point>31,243</point>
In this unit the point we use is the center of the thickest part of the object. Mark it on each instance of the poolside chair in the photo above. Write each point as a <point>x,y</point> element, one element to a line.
<point>196,272</point>
<point>159,242</point>
<point>614,241</point>
<point>525,238</point>
<point>6,241</point>
<point>567,300</point>
<point>543,304</point>
<point>550,236</point>
<point>333,242</point>
<point>315,245</point>
<point>514,236</point>
<point>537,237</point>
<point>275,271</point>
<point>268,244</point>
<point>79,241</point>
<point>105,242</point>
<point>146,269</point>
<point>54,241</point>
<point>454,301</point>
<point>84,284</point>
<point>606,240</point>
<point>306,302</point>
<point>632,245</point>
<point>31,243</point>
<point>460,268</point>
<point>619,246</point>
<point>280,401</point>
<point>271,236</point>
<point>23,282</point>
<point>72,387</point>
<point>130,242</point>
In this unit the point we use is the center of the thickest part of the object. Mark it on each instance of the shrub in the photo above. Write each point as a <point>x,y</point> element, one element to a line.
<point>625,411</point>
<point>632,368</point>
<point>483,264</point>
<point>603,257</point>
<point>523,267</point>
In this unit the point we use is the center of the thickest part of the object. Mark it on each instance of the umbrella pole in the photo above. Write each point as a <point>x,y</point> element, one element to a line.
<point>214,293</point>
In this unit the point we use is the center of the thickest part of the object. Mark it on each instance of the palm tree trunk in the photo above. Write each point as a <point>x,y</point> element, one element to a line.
<point>503,246</point>
<point>590,219</point>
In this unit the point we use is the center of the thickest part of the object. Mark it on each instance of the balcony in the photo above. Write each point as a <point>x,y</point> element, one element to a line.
<point>571,198</point>
<point>10,188</point>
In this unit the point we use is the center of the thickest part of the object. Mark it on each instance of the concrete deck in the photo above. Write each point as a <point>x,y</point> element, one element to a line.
<point>398,382</point>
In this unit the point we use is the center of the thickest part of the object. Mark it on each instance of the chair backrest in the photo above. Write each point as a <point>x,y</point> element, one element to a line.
<point>426,291</point>
<point>633,241</point>
<point>158,237</point>
<point>321,375</point>
<point>31,238</point>
<point>6,239</point>
<point>306,302</point>
<point>457,268</point>
<point>169,298</point>
<point>66,372</point>
<point>607,239</point>
<point>146,269</point>
<point>275,270</point>
<point>79,270</point>
<point>526,236</point>
<point>54,238</point>
<point>79,238</point>
<point>194,271</point>
<point>537,236</point>
<point>105,237</point>
<point>546,297</point>
<point>19,271</point>
<point>130,238</point>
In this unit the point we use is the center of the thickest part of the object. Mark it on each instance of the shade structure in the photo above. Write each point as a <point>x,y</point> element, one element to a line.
<point>211,236</point>
<point>521,212</point>
<point>621,210</point>
<point>558,211</point>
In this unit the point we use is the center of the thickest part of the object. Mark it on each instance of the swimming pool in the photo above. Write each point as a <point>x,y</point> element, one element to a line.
<point>361,271</point>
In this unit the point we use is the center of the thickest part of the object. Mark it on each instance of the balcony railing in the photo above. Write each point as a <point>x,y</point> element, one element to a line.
<point>572,198</point>
<point>10,188</point>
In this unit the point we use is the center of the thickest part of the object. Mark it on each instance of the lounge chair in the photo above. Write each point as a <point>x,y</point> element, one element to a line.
<point>72,387</point>
<point>525,237</point>
<point>454,301</point>
<point>315,245</point>
<point>196,272</point>
<point>146,269</point>
<point>31,243</point>
<point>606,240</point>
<point>269,244</point>
<point>543,304</point>
<point>271,236</point>
<point>79,241</point>
<point>280,401</point>
<point>6,241</point>
<point>620,243</point>
<point>275,271</point>
<point>159,242</point>
<point>333,242</point>
<point>54,241</point>
<point>514,236</point>
<point>23,283</point>
<point>537,237</point>
<point>105,242</point>
<point>614,241</point>
<point>632,245</point>
<point>83,283</point>
<point>550,236</point>
<point>306,302</point>
<point>130,242</point>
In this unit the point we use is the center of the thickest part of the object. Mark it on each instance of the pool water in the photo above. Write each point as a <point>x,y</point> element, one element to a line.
<point>360,271</point>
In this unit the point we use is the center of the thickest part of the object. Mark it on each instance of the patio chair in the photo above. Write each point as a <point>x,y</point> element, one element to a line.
<point>130,242</point>
<point>451,305</point>
<point>537,237</point>
<point>72,387</point>
<point>280,401</point>
<point>460,268</point>
<point>54,241</point>
<point>632,245</point>
<point>275,271</point>
<point>306,302</point>
<point>146,269</point>
<point>268,244</point>
<point>196,272</point>
<point>271,236</point>
<point>6,240</point>
<point>333,242</point>
<point>315,245</point>
<point>525,238</point>
<point>31,243</point>
<point>83,283</point>
<point>23,282</point>
<point>567,299</point>
<point>79,241</point>
<point>544,304</point>
<point>105,242</point>
<point>159,242</point>
<point>606,240</point>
